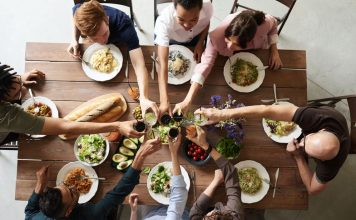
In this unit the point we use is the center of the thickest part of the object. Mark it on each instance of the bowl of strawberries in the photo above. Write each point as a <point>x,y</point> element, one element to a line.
<point>194,154</point>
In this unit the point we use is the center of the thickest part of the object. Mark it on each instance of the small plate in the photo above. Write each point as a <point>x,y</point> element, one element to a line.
<point>83,198</point>
<point>96,75</point>
<point>43,100</point>
<point>187,53</point>
<point>258,196</point>
<point>250,58</point>
<point>285,139</point>
<point>159,197</point>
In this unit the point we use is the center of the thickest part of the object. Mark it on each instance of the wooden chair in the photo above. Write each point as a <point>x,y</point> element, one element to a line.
<point>10,146</point>
<point>157,2</point>
<point>127,3</point>
<point>351,100</point>
<point>281,21</point>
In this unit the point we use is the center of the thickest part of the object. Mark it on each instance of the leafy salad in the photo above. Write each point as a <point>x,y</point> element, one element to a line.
<point>91,148</point>
<point>160,181</point>
<point>228,148</point>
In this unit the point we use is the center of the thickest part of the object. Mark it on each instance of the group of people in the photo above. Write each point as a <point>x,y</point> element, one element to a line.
<point>186,22</point>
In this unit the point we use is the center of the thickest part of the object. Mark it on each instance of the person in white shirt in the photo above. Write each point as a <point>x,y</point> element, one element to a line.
<point>185,22</point>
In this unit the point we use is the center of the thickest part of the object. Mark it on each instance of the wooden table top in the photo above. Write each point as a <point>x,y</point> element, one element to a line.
<point>68,86</point>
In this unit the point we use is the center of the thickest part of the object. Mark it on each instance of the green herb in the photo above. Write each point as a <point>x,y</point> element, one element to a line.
<point>146,170</point>
<point>228,148</point>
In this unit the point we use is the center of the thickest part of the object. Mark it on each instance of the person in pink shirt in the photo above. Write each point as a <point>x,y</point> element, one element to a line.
<point>244,30</point>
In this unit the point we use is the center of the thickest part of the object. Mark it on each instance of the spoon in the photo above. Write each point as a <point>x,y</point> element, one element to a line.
<point>37,109</point>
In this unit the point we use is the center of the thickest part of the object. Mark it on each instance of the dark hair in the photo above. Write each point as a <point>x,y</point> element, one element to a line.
<point>220,215</point>
<point>244,26</point>
<point>7,78</point>
<point>51,202</point>
<point>189,4</point>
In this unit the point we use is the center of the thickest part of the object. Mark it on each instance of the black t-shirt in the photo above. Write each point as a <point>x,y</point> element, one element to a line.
<point>122,30</point>
<point>313,119</point>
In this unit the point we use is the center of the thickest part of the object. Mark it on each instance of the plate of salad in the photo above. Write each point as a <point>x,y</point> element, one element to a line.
<point>159,181</point>
<point>91,149</point>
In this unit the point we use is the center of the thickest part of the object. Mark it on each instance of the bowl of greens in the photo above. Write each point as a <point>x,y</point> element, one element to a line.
<point>228,148</point>
<point>91,149</point>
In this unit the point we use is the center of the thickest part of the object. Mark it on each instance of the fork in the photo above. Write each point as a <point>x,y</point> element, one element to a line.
<point>85,177</point>
<point>192,177</point>
<point>86,62</point>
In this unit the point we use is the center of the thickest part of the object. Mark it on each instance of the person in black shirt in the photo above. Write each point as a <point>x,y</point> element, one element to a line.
<point>326,137</point>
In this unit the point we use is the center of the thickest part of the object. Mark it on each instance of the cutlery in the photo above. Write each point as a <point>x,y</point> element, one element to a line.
<point>127,66</point>
<point>267,181</point>
<point>275,93</point>
<point>262,68</point>
<point>154,59</point>
<point>192,177</point>
<point>37,109</point>
<point>86,62</point>
<point>153,65</point>
<point>272,100</point>
<point>92,178</point>
<point>275,183</point>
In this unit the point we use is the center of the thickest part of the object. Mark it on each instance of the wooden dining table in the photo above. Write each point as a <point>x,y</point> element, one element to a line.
<point>67,85</point>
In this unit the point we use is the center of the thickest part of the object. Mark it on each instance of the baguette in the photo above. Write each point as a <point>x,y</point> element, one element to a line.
<point>105,108</point>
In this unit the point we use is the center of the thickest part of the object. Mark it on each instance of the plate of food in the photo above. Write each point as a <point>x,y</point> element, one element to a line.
<point>76,174</point>
<point>281,131</point>
<point>253,177</point>
<point>181,64</point>
<point>46,108</point>
<point>91,149</point>
<point>244,72</point>
<point>105,61</point>
<point>159,181</point>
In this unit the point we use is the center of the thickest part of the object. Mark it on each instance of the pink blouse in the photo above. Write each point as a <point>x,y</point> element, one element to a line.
<point>265,36</point>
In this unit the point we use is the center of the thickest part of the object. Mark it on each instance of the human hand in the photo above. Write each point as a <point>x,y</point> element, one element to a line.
<point>31,78</point>
<point>133,199</point>
<point>292,147</point>
<point>126,128</point>
<point>149,147</point>
<point>148,104</point>
<point>42,179</point>
<point>275,61</point>
<point>74,50</point>
<point>213,115</point>
<point>200,138</point>
<point>175,144</point>
<point>198,51</point>
<point>181,106</point>
<point>218,177</point>
<point>164,107</point>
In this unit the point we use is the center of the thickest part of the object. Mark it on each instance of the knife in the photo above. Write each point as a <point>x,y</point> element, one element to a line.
<point>275,93</point>
<point>127,66</point>
<point>262,68</point>
<point>153,65</point>
<point>272,100</point>
<point>275,183</point>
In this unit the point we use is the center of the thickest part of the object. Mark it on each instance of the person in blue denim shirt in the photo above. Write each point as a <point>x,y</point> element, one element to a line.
<point>61,202</point>
<point>178,197</point>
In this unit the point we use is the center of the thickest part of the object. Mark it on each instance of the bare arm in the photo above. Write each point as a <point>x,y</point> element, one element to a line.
<point>74,48</point>
<point>199,48</point>
<point>163,77</point>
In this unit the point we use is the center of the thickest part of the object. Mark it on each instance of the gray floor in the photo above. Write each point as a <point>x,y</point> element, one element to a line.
<point>324,28</point>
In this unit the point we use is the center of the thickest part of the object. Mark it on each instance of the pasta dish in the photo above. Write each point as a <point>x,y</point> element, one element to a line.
<point>280,128</point>
<point>76,177</point>
<point>178,65</point>
<point>243,73</point>
<point>103,61</point>
<point>250,181</point>
<point>44,110</point>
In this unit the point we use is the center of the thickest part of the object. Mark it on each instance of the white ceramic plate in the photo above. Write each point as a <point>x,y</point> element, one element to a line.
<point>297,131</point>
<point>43,100</point>
<point>107,151</point>
<point>247,198</point>
<point>159,197</point>
<point>83,198</point>
<point>96,75</point>
<point>250,58</point>
<point>187,53</point>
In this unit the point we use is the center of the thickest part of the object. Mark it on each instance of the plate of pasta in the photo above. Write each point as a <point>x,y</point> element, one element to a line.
<point>74,174</point>
<point>181,64</point>
<point>253,177</point>
<point>244,72</point>
<point>281,131</point>
<point>105,61</point>
<point>45,106</point>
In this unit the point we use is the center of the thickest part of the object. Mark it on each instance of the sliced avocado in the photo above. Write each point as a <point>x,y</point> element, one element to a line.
<point>141,139</point>
<point>135,140</point>
<point>130,144</point>
<point>124,164</point>
<point>126,151</point>
<point>117,158</point>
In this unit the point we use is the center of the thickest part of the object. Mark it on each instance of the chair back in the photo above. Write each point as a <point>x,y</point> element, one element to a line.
<point>157,2</point>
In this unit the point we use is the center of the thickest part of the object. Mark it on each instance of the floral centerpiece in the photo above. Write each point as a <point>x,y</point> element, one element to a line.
<point>230,145</point>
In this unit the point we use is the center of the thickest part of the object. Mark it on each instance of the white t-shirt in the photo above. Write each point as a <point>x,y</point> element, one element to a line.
<point>167,28</point>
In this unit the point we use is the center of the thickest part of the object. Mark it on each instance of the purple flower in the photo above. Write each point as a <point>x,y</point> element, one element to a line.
<point>215,100</point>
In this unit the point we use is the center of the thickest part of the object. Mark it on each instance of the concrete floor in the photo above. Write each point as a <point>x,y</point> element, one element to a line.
<point>323,28</point>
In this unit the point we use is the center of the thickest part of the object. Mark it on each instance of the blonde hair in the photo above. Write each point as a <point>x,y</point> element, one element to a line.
<point>88,17</point>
